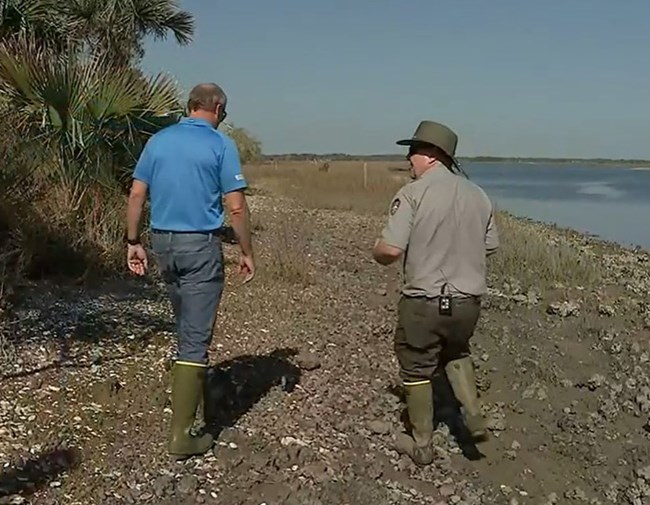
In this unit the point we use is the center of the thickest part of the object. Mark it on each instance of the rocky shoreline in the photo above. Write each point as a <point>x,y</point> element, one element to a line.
<point>304,369</point>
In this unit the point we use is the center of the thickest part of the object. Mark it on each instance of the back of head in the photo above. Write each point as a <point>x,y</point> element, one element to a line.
<point>206,97</point>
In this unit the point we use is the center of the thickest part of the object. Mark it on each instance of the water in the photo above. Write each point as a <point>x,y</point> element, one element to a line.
<point>610,202</point>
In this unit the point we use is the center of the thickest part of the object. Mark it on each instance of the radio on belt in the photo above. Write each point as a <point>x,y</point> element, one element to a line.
<point>444,302</point>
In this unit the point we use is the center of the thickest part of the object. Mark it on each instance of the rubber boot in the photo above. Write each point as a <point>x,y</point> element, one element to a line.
<point>419,404</point>
<point>187,390</point>
<point>460,373</point>
<point>205,413</point>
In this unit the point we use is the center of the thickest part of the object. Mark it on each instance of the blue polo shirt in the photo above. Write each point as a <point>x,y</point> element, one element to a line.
<point>188,167</point>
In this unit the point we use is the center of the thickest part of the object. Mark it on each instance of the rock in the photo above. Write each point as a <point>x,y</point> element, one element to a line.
<point>188,484</point>
<point>612,492</point>
<point>163,485</point>
<point>308,361</point>
<point>608,409</point>
<point>446,491</point>
<point>616,348</point>
<point>317,472</point>
<point>535,390</point>
<point>552,499</point>
<point>403,443</point>
<point>606,310</point>
<point>286,441</point>
<point>520,298</point>
<point>563,309</point>
<point>595,382</point>
<point>642,400</point>
<point>12,500</point>
<point>643,473</point>
<point>379,427</point>
<point>576,494</point>
<point>515,446</point>
<point>228,435</point>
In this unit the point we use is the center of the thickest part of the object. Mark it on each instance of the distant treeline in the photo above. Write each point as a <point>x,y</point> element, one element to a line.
<point>485,159</point>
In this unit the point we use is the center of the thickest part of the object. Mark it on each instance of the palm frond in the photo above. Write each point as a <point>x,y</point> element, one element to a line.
<point>84,105</point>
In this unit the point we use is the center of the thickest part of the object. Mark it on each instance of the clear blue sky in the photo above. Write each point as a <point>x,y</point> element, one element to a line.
<point>512,77</point>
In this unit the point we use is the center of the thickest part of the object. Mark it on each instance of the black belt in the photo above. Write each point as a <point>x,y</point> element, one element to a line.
<point>435,297</point>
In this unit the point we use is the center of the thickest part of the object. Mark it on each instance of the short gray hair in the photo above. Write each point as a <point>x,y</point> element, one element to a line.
<point>206,96</point>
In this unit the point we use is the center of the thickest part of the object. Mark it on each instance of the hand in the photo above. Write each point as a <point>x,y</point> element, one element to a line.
<point>247,267</point>
<point>136,259</point>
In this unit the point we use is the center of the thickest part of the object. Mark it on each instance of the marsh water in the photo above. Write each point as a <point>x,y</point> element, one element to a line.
<point>610,202</point>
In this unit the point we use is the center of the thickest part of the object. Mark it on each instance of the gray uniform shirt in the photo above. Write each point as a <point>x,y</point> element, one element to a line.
<point>445,225</point>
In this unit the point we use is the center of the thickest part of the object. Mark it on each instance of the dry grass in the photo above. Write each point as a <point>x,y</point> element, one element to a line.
<point>285,257</point>
<point>340,188</point>
<point>530,255</point>
<point>53,229</point>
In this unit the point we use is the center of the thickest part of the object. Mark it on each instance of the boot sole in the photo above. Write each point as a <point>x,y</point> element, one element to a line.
<point>180,456</point>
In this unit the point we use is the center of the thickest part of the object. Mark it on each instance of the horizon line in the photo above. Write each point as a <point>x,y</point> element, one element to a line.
<point>343,156</point>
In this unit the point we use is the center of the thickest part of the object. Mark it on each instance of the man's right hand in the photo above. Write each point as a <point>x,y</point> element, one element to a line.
<point>136,259</point>
<point>247,267</point>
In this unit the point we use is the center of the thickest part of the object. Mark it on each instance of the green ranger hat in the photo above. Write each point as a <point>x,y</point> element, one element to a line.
<point>430,132</point>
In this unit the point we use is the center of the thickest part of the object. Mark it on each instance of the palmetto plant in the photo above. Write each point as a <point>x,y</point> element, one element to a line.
<point>87,112</point>
<point>75,110</point>
<point>68,83</point>
<point>113,27</point>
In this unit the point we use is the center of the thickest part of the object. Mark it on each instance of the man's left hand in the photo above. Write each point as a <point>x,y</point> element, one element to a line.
<point>136,258</point>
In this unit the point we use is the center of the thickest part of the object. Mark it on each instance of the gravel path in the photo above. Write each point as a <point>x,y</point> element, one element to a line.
<point>305,374</point>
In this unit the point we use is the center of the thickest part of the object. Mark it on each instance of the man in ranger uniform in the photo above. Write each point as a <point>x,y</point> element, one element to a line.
<point>444,226</point>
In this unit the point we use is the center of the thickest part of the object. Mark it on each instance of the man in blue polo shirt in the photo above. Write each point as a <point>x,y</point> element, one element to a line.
<point>186,169</point>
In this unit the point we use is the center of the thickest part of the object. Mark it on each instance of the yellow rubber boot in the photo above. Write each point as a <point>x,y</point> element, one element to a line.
<point>460,373</point>
<point>187,391</point>
<point>419,403</point>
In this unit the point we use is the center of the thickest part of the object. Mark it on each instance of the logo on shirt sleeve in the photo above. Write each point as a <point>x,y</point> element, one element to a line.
<point>394,206</point>
<point>239,177</point>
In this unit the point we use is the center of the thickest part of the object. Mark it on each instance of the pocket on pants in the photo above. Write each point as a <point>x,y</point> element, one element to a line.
<point>202,266</point>
<point>417,323</point>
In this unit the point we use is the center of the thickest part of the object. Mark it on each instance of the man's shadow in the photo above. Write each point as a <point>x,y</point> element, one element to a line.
<point>37,472</point>
<point>447,411</point>
<point>234,386</point>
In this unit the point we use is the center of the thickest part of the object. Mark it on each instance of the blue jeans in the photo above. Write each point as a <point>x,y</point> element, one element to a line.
<point>192,268</point>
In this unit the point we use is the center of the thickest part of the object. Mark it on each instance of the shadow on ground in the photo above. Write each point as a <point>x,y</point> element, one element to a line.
<point>236,385</point>
<point>114,321</point>
<point>37,472</point>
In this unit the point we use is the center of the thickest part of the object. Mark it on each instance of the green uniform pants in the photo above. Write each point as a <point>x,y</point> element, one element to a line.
<point>424,338</point>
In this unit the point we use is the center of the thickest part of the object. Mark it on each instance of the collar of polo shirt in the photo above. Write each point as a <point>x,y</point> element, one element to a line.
<point>197,121</point>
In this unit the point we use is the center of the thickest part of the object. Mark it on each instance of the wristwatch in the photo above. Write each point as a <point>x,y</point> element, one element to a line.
<point>135,241</point>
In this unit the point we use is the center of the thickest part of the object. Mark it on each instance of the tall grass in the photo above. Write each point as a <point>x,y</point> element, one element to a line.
<point>342,187</point>
<point>48,227</point>
<point>530,255</point>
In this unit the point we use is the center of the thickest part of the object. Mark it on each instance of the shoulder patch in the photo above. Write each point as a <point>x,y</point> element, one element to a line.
<point>394,206</point>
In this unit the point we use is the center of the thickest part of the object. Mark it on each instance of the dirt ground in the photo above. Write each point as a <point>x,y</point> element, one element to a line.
<point>306,379</point>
